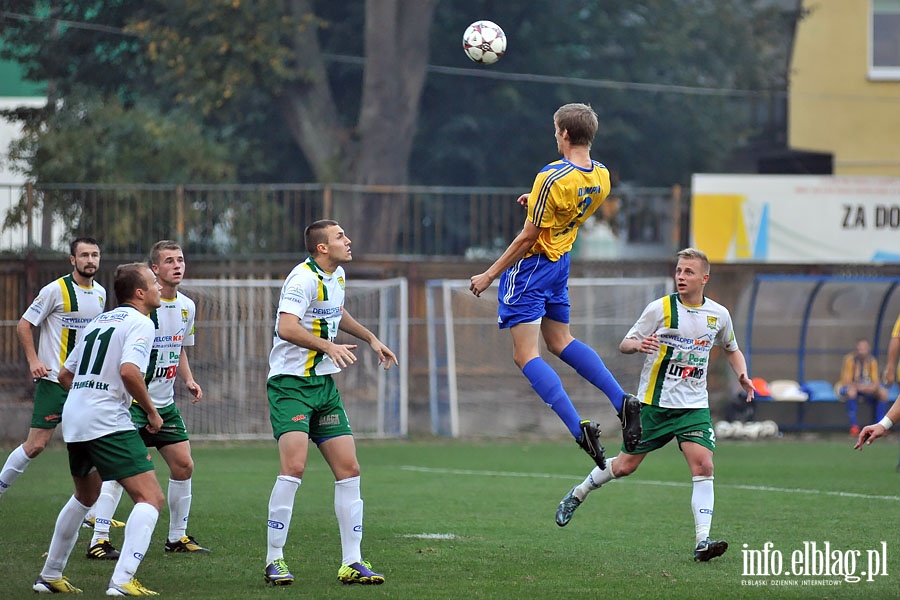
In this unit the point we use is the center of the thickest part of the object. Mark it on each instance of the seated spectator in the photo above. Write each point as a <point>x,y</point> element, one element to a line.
<point>859,380</point>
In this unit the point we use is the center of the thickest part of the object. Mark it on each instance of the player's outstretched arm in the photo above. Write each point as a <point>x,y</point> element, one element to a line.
<point>291,330</point>
<point>516,250</point>
<point>350,325</point>
<point>870,433</point>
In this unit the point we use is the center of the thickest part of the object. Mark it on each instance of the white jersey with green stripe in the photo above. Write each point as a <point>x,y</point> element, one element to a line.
<point>316,297</point>
<point>675,377</point>
<point>174,321</point>
<point>61,310</point>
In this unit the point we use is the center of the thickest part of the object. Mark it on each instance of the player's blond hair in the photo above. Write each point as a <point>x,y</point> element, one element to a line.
<point>579,120</point>
<point>696,254</point>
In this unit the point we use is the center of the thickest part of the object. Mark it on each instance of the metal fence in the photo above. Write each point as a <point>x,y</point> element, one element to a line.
<point>268,220</point>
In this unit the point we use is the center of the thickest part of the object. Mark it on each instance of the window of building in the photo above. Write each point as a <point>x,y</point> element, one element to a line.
<point>884,40</point>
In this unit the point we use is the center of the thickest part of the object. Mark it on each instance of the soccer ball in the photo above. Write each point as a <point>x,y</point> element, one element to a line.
<point>484,42</point>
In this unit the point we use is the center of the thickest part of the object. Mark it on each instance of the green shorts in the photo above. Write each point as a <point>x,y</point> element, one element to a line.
<point>171,432</point>
<point>660,425</point>
<point>309,404</point>
<point>115,456</point>
<point>49,398</point>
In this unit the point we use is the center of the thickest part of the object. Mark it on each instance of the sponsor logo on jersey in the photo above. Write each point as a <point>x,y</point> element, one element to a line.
<point>112,317</point>
<point>75,322</point>
<point>165,372</point>
<point>683,372</point>
<point>299,418</point>
<point>168,338</point>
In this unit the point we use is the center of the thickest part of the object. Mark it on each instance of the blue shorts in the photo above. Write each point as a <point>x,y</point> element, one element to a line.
<point>532,288</point>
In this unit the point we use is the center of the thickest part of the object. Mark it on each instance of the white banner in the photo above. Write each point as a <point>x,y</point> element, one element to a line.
<point>796,219</point>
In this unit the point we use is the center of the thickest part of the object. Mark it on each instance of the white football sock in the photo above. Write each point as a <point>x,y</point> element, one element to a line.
<point>281,506</point>
<point>138,529</point>
<point>104,509</point>
<point>15,465</point>
<point>348,507</point>
<point>65,534</point>
<point>702,500</point>
<point>179,500</point>
<point>595,479</point>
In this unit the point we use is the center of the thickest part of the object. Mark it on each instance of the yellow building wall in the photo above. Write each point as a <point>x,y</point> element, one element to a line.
<point>833,106</point>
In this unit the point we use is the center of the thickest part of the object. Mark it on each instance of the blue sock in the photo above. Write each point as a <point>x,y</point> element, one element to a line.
<point>852,404</point>
<point>589,365</point>
<point>549,387</point>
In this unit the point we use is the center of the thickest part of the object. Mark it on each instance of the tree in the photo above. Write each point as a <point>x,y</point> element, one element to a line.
<point>226,60</point>
<point>343,91</point>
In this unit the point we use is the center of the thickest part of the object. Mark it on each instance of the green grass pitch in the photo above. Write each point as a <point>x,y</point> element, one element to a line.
<point>447,519</point>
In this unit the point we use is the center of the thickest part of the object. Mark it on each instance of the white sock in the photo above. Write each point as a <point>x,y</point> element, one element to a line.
<point>281,506</point>
<point>65,534</point>
<point>348,507</point>
<point>595,479</point>
<point>138,529</point>
<point>15,465</point>
<point>179,499</point>
<point>104,509</point>
<point>702,500</point>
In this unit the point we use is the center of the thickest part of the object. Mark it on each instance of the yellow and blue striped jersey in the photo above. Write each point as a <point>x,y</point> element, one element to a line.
<point>62,309</point>
<point>316,297</point>
<point>675,377</point>
<point>562,198</point>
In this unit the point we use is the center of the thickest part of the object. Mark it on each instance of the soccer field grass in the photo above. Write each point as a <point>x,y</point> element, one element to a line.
<point>447,519</point>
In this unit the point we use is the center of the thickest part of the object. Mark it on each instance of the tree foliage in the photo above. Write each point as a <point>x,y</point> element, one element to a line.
<point>658,58</point>
<point>300,90</point>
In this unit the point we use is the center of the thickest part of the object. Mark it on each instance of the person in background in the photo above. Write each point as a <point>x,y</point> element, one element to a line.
<point>61,309</point>
<point>174,321</point>
<point>860,381</point>
<point>104,372</point>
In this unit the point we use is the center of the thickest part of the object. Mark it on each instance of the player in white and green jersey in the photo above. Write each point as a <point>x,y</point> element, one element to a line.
<point>174,322</point>
<point>61,310</point>
<point>103,373</point>
<point>304,403</point>
<point>676,333</point>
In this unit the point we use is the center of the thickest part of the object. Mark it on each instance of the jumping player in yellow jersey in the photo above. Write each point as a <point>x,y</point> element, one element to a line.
<point>61,309</point>
<point>676,333</point>
<point>534,276</point>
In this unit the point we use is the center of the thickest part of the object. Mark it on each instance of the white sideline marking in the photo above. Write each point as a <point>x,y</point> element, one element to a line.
<point>430,536</point>
<point>735,486</point>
